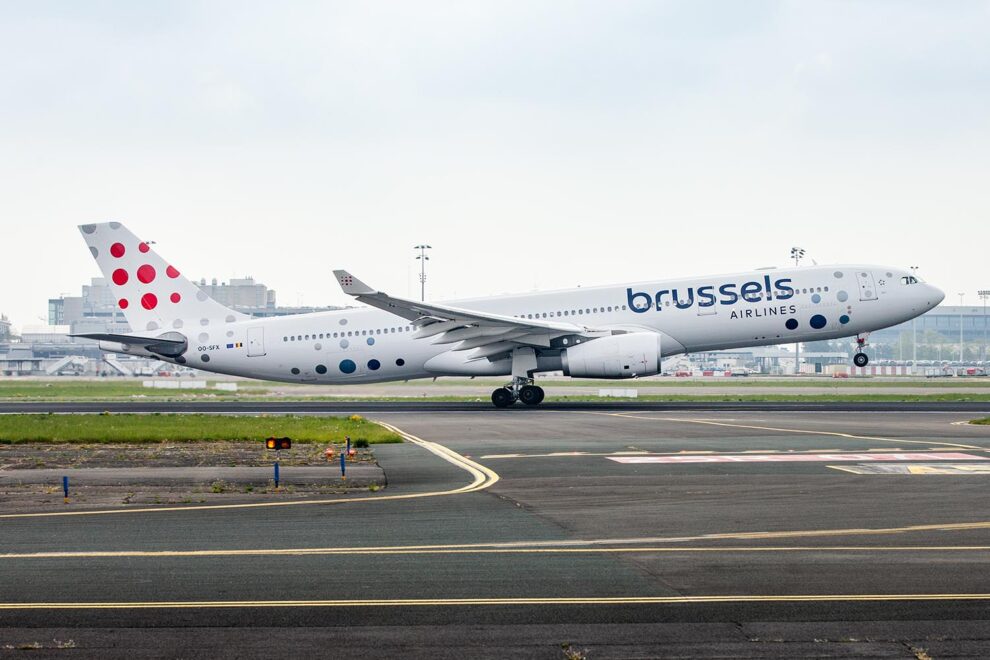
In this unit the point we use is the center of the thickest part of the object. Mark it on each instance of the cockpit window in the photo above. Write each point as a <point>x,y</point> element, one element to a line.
<point>909,279</point>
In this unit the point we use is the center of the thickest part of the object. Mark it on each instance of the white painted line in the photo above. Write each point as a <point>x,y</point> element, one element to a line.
<point>797,458</point>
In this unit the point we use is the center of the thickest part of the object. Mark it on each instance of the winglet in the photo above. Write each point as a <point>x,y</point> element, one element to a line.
<point>351,285</point>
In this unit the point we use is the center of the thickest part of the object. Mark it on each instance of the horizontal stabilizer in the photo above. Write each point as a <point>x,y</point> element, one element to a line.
<point>170,344</point>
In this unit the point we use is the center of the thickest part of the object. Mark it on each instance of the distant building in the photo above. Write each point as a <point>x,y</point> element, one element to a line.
<point>5,332</point>
<point>936,335</point>
<point>240,293</point>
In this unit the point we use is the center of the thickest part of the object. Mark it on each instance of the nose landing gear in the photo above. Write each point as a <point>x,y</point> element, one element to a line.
<point>861,359</point>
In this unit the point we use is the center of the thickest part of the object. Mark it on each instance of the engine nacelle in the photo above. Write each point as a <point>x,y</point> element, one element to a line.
<point>616,356</point>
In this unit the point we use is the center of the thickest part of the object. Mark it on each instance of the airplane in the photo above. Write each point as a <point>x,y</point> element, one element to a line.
<point>608,332</point>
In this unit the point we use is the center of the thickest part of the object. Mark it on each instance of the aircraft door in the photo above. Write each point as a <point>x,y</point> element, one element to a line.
<point>867,287</point>
<point>256,342</point>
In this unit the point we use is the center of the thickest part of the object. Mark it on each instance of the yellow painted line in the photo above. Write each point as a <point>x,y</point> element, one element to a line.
<point>837,434</point>
<point>483,477</point>
<point>303,552</point>
<point>455,602</point>
<point>581,545</point>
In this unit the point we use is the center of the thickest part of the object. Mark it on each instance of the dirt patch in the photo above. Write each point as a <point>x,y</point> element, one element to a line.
<point>165,454</point>
<point>170,473</point>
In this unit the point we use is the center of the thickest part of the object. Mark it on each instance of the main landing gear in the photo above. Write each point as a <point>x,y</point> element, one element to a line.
<point>861,359</point>
<point>518,390</point>
<point>521,388</point>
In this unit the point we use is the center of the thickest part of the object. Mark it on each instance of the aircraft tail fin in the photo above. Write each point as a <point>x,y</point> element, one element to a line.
<point>150,291</point>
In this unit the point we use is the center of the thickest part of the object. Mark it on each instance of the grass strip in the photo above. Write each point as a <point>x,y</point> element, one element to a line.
<point>18,390</point>
<point>130,428</point>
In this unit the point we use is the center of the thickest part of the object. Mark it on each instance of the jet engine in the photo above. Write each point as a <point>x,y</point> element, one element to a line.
<point>615,356</point>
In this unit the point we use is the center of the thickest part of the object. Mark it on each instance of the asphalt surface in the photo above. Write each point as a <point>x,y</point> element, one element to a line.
<point>555,538</point>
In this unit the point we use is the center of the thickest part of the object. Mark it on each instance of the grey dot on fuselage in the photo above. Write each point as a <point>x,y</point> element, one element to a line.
<point>204,321</point>
<point>89,229</point>
<point>201,296</point>
<point>203,336</point>
<point>230,318</point>
<point>114,225</point>
<point>177,323</point>
<point>93,251</point>
<point>152,325</point>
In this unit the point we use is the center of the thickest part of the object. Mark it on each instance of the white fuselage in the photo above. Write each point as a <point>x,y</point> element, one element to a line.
<point>773,306</point>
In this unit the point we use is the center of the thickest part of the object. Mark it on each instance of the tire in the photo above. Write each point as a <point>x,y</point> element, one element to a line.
<point>861,359</point>
<point>531,395</point>
<point>502,398</point>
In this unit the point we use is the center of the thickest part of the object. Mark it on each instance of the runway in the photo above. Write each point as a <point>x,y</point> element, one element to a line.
<point>625,530</point>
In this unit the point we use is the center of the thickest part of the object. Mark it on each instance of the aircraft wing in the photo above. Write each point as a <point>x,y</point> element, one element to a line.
<point>489,335</point>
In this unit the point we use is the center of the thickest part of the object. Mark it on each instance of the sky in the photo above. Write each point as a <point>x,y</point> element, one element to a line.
<point>533,144</point>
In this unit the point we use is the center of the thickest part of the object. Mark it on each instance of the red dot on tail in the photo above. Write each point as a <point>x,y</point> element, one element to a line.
<point>117,250</point>
<point>146,273</point>
<point>119,277</point>
<point>149,301</point>
<point>175,297</point>
<point>172,272</point>
<point>123,303</point>
<point>143,247</point>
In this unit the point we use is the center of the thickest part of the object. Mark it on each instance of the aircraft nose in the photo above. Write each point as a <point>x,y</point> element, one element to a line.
<point>935,295</point>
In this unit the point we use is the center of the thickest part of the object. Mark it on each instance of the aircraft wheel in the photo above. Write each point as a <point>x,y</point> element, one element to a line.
<point>861,359</point>
<point>502,398</point>
<point>531,395</point>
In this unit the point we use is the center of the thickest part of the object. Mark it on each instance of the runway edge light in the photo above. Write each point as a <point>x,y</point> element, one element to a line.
<point>278,443</point>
